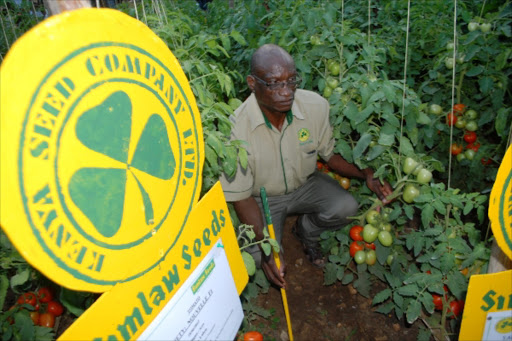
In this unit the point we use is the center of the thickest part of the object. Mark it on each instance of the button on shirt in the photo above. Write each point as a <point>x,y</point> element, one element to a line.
<point>281,161</point>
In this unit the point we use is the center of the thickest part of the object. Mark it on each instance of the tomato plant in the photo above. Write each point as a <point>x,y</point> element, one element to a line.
<point>355,232</point>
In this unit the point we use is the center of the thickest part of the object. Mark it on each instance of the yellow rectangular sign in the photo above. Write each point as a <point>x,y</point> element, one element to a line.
<point>128,308</point>
<point>486,293</point>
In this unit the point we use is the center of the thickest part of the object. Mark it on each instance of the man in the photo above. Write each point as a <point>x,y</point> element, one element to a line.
<point>285,129</point>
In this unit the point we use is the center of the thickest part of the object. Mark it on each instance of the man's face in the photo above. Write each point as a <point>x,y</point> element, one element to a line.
<point>277,70</point>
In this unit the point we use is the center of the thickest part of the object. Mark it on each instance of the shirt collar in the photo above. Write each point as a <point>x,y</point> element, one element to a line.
<point>257,120</point>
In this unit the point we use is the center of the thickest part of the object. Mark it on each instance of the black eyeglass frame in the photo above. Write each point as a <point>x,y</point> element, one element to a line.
<point>279,85</point>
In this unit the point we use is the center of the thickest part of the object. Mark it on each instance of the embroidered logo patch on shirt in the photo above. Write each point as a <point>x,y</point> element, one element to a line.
<point>303,134</point>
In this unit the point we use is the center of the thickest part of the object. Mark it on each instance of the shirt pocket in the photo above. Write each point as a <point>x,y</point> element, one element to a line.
<point>309,157</point>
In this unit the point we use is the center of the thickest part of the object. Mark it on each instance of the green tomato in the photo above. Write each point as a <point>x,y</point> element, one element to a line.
<point>327,92</point>
<point>330,62</point>
<point>435,109</point>
<point>461,59</point>
<point>385,238</point>
<point>471,114</point>
<point>424,176</point>
<point>386,227</point>
<point>338,90</point>
<point>389,260</point>
<point>332,82</point>
<point>370,233</point>
<point>371,257</point>
<point>461,157</point>
<point>410,193</point>
<point>470,154</point>
<point>460,123</point>
<point>473,26</point>
<point>450,46</point>
<point>448,62</point>
<point>485,27</point>
<point>360,257</point>
<point>315,40</point>
<point>471,126</point>
<point>409,165</point>
<point>372,217</point>
<point>335,69</point>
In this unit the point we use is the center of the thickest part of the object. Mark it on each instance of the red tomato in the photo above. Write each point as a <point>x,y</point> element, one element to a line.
<point>370,245</point>
<point>253,336</point>
<point>470,136</point>
<point>319,165</point>
<point>354,247</point>
<point>485,161</point>
<point>459,109</point>
<point>28,298</point>
<point>456,149</point>
<point>47,320</point>
<point>438,301</point>
<point>451,119</point>
<point>34,315</point>
<point>55,308</point>
<point>473,146</point>
<point>455,308</point>
<point>44,295</point>
<point>355,232</point>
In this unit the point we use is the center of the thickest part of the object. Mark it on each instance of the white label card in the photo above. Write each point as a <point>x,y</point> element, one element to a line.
<point>206,307</point>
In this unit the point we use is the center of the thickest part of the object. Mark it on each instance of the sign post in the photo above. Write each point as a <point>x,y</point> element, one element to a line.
<point>102,155</point>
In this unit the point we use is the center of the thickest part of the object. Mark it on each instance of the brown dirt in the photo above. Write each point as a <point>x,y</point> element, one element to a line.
<point>319,312</point>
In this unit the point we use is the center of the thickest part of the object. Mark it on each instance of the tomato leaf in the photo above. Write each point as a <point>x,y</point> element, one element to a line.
<point>347,278</point>
<point>361,145</point>
<point>428,303</point>
<point>238,37</point>
<point>20,278</point>
<point>408,290</point>
<point>382,296</point>
<point>4,285</point>
<point>486,84</point>
<point>243,158</point>
<point>249,263</point>
<point>330,273</point>
<point>413,311</point>
<point>386,308</point>
<point>475,71</point>
<point>427,215</point>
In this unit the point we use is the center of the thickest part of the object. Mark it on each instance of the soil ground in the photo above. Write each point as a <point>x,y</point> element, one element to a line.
<point>319,312</point>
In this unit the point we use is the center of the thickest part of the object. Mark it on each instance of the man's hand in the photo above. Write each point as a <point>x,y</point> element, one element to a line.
<point>268,265</point>
<point>374,184</point>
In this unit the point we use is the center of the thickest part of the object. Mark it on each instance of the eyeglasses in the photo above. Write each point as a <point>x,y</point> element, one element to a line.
<point>291,83</point>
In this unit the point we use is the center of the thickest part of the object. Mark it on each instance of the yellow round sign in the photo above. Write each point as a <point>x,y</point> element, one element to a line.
<point>500,207</point>
<point>101,148</point>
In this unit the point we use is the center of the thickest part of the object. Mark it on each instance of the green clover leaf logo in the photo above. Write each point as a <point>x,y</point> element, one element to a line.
<point>100,192</point>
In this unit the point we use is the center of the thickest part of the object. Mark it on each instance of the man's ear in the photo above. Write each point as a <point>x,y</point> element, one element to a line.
<point>251,82</point>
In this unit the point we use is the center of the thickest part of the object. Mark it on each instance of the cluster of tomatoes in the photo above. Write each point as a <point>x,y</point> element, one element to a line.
<point>45,307</point>
<point>334,68</point>
<point>423,176</point>
<point>344,182</point>
<point>362,248</point>
<point>455,307</point>
<point>464,119</point>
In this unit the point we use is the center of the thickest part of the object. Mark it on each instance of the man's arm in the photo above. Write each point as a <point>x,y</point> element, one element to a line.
<point>249,213</point>
<point>343,167</point>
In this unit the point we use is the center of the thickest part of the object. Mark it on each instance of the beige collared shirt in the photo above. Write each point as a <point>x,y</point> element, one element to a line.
<point>281,161</point>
